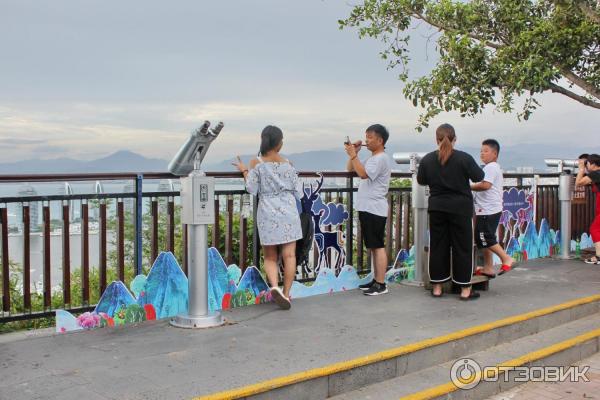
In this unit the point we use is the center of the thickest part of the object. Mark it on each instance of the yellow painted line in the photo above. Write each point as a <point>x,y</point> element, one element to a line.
<point>331,369</point>
<point>499,369</point>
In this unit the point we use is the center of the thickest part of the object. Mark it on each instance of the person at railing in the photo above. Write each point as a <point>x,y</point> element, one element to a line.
<point>589,174</point>
<point>371,200</point>
<point>275,181</point>
<point>447,172</point>
<point>488,195</point>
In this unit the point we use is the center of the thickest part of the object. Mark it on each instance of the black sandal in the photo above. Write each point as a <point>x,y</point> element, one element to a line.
<point>472,296</point>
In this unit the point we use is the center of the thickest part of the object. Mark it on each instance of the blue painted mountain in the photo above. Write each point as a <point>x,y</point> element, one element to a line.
<point>536,243</point>
<point>218,280</point>
<point>401,258</point>
<point>585,241</point>
<point>529,241</point>
<point>513,246</point>
<point>234,273</point>
<point>252,280</point>
<point>545,239</point>
<point>114,297</point>
<point>327,282</point>
<point>66,322</point>
<point>166,287</point>
<point>137,285</point>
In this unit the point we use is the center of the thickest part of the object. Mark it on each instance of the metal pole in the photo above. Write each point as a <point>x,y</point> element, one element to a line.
<point>564,196</point>
<point>255,246</point>
<point>419,230</point>
<point>197,276</point>
<point>420,225</point>
<point>197,198</point>
<point>138,223</point>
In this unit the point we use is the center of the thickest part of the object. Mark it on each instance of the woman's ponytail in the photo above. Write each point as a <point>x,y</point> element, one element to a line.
<point>445,137</point>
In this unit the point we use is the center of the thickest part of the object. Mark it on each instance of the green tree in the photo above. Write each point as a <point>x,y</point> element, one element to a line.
<point>491,52</point>
<point>400,183</point>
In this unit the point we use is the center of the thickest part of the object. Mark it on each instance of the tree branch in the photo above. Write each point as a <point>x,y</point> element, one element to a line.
<point>577,80</point>
<point>446,28</point>
<point>589,88</point>
<point>582,99</point>
<point>589,12</point>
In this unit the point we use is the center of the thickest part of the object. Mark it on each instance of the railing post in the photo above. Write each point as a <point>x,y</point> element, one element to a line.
<point>138,223</point>
<point>85,254</point>
<point>350,223</point>
<point>46,259</point>
<point>102,247</point>
<point>66,242</point>
<point>255,245</point>
<point>121,240</point>
<point>26,257</point>
<point>565,187</point>
<point>5,261</point>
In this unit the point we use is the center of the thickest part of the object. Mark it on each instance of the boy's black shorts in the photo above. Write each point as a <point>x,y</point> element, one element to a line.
<point>485,230</point>
<point>373,229</point>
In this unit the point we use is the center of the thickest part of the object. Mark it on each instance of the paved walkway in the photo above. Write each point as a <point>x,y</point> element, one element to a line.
<point>561,390</point>
<point>156,361</point>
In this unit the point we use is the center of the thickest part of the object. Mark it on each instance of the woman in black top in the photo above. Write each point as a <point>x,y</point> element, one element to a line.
<point>447,172</point>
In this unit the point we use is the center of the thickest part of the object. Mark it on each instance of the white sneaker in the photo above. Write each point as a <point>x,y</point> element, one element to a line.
<point>278,297</point>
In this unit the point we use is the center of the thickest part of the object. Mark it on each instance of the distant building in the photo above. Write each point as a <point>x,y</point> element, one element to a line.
<point>165,185</point>
<point>129,204</point>
<point>525,170</point>
<point>67,189</point>
<point>34,207</point>
<point>95,211</point>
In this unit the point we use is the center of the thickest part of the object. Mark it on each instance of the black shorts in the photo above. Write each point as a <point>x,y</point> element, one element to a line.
<point>373,229</point>
<point>485,230</point>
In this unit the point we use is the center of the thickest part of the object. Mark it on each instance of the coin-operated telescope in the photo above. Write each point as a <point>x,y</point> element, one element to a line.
<point>197,212</point>
<point>420,195</point>
<point>565,191</point>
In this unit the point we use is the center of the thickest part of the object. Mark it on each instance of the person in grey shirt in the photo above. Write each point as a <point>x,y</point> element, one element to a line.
<point>371,200</point>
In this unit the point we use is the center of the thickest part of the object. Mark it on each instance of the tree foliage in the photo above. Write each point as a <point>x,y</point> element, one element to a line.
<point>491,52</point>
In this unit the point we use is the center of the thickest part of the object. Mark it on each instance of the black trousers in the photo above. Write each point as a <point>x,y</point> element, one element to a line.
<point>450,248</point>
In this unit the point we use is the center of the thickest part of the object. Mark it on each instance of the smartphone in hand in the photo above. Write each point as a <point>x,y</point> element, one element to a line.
<point>347,140</point>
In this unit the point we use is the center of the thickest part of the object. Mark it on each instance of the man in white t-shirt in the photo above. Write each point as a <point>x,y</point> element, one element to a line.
<point>371,200</point>
<point>488,195</point>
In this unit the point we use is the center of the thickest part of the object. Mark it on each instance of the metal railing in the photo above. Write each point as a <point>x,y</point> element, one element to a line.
<point>133,227</point>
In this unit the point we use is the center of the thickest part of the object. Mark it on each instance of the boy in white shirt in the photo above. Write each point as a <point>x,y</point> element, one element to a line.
<point>488,210</point>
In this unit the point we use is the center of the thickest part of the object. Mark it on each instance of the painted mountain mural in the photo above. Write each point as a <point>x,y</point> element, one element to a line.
<point>166,287</point>
<point>115,297</point>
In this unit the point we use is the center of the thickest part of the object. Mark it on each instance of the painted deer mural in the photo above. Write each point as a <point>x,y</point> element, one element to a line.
<point>323,215</point>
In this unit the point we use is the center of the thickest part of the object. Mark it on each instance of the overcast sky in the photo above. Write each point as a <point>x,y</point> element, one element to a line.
<point>82,79</point>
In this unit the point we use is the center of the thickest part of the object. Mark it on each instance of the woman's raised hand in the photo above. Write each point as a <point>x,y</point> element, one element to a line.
<point>239,164</point>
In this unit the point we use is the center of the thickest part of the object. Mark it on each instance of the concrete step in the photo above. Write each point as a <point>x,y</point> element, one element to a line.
<point>552,347</point>
<point>351,375</point>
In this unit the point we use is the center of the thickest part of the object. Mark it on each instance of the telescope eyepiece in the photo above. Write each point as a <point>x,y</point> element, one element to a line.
<point>202,131</point>
<point>217,129</point>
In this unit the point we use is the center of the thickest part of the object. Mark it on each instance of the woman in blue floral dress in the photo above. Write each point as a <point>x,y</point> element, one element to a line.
<point>275,181</point>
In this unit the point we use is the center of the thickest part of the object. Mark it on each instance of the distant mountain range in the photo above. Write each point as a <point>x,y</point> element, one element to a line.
<point>121,161</point>
<point>511,157</point>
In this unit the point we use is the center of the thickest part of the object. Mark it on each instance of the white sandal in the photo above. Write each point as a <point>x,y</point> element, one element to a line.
<point>280,299</point>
